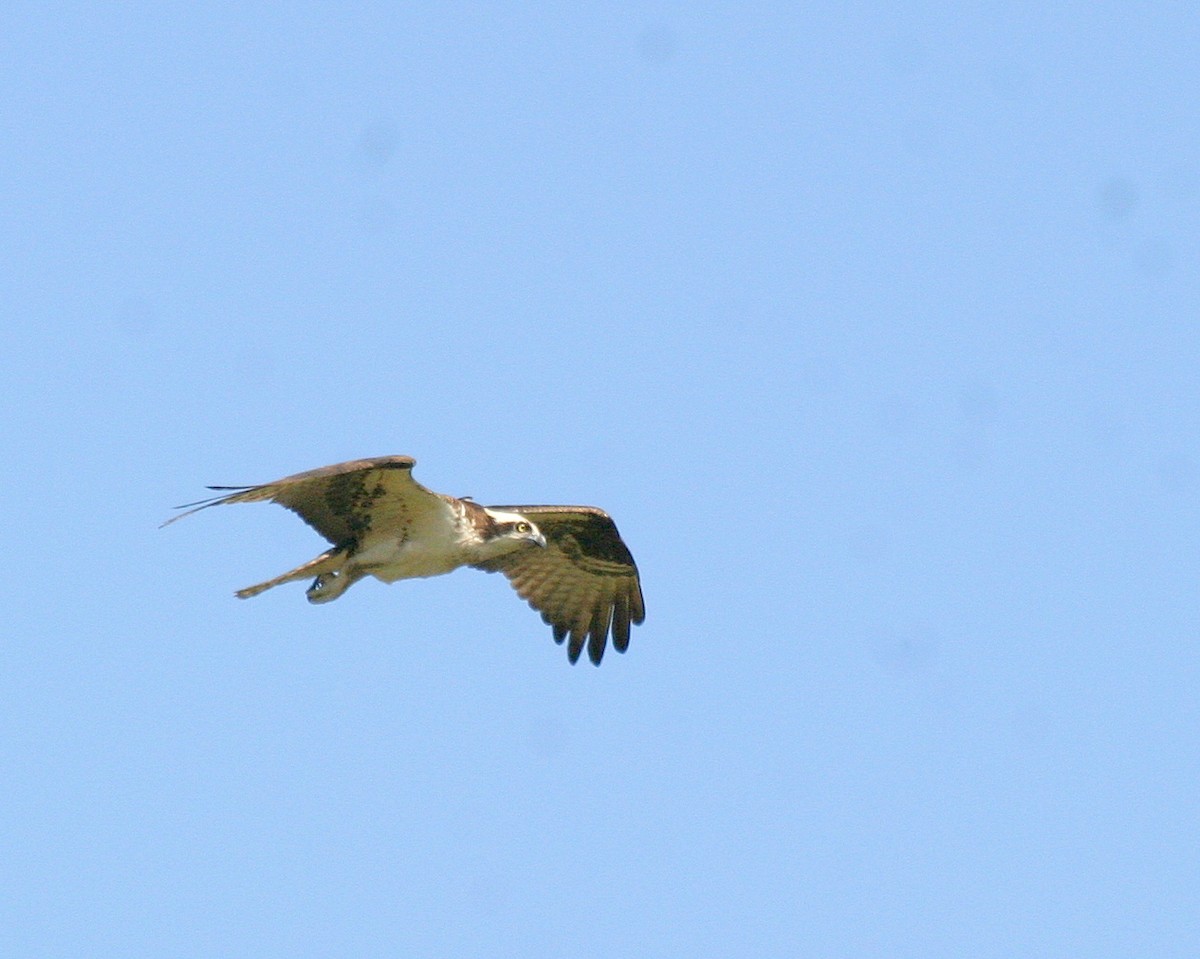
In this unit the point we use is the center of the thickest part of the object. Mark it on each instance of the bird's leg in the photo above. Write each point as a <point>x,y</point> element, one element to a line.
<point>331,585</point>
<point>331,561</point>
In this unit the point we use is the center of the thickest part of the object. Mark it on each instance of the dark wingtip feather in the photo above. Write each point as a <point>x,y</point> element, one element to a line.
<point>193,508</point>
<point>620,630</point>
<point>575,647</point>
<point>598,632</point>
<point>637,608</point>
<point>560,633</point>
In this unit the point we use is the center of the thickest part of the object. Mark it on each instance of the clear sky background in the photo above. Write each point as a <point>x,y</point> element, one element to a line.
<point>875,329</point>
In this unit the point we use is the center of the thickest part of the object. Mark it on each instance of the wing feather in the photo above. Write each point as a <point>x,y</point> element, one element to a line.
<point>342,501</point>
<point>620,623</point>
<point>598,632</point>
<point>575,645</point>
<point>584,583</point>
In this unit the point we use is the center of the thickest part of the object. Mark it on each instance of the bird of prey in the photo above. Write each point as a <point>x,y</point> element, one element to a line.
<point>568,562</point>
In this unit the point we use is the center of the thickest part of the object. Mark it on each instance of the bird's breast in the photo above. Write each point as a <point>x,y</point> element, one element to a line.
<point>393,559</point>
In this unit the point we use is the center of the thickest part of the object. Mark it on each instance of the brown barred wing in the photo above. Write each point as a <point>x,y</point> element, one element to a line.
<point>341,502</point>
<point>584,583</point>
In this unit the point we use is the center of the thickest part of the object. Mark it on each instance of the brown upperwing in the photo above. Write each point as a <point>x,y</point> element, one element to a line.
<point>342,501</point>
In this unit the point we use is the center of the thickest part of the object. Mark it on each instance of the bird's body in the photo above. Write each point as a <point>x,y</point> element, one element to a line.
<point>568,562</point>
<point>435,551</point>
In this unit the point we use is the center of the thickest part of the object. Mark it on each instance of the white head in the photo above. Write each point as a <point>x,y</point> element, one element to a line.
<point>510,531</point>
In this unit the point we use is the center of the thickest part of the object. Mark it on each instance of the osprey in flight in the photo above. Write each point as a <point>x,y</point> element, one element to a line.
<point>568,562</point>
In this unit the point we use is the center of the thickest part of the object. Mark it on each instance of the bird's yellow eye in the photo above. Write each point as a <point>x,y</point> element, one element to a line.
<point>524,528</point>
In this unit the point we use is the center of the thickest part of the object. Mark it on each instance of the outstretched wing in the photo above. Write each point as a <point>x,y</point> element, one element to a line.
<point>583,582</point>
<point>343,501</point>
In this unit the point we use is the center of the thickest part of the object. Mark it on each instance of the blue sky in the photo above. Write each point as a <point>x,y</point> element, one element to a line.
<point>874,329</point>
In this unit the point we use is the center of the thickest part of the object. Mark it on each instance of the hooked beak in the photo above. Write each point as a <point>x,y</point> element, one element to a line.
<point>539,539</point>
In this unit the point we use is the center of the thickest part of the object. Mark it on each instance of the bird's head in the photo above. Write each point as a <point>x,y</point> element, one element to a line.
<point>511,531</point>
